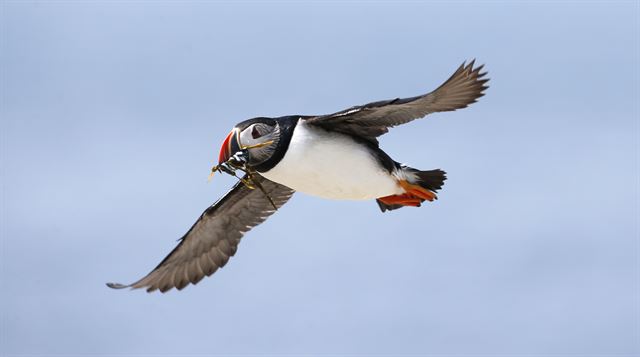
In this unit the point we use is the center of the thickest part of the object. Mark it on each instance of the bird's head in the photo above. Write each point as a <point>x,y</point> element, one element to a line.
<point>259,136</point>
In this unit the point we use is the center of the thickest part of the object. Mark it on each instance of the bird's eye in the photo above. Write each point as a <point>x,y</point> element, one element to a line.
<point>255,133</point>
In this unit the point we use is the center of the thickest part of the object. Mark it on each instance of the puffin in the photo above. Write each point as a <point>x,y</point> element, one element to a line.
<point>335,156</point>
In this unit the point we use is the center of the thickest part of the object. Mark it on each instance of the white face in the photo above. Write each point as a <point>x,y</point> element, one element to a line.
<point>255,135</point>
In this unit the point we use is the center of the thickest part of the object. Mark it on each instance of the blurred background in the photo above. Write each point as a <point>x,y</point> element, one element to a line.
<point>112,113</point>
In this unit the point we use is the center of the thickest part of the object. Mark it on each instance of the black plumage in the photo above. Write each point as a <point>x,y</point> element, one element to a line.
<point>371,120</point>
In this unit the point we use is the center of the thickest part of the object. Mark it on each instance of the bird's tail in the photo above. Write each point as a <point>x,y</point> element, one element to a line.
<point>419,186</point>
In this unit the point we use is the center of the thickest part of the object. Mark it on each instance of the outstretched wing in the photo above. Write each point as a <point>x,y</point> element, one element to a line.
<point>214,237</point>
<point>371,120</point>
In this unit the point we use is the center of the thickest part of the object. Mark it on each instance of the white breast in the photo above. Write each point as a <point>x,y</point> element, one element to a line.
<point>331,165</point>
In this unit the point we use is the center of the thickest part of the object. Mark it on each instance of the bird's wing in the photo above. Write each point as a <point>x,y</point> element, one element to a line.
<point>214,237</point>
<point>371,120</point>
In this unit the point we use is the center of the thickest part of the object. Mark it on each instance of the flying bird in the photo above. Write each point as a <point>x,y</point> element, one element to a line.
<point>334,156</point>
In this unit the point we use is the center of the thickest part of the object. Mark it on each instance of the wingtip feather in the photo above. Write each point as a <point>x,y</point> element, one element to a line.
<point>470,65</point>
<point>118,286</point>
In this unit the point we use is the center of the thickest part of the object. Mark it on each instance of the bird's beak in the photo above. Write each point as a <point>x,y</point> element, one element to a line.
<point>229,147</point>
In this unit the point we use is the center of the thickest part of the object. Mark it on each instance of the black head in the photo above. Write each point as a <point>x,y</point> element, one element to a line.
<point>265,139</point>
<point>259,136</point>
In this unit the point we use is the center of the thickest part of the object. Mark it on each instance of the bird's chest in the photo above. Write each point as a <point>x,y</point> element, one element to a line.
<point>331,165</point>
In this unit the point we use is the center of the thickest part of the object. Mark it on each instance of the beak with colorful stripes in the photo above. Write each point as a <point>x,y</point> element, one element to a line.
<point>230,146</point>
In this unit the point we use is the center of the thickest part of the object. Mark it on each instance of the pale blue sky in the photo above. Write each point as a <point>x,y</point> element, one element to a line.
<point>112,114</point>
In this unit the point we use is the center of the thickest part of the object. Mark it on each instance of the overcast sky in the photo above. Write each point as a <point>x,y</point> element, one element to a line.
<point>112,114</point>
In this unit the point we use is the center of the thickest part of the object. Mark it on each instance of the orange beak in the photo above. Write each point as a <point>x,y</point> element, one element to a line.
<point>229,146</point>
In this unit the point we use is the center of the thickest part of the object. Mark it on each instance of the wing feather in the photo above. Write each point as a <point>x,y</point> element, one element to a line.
<point>214,238</point>
<point>369,121</point>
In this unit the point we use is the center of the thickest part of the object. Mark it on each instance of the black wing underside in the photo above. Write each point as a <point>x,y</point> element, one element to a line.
<point>214,238</point>
<point>369,121</point>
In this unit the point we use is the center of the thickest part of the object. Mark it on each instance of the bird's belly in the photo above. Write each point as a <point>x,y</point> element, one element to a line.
<point>332,165</point>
